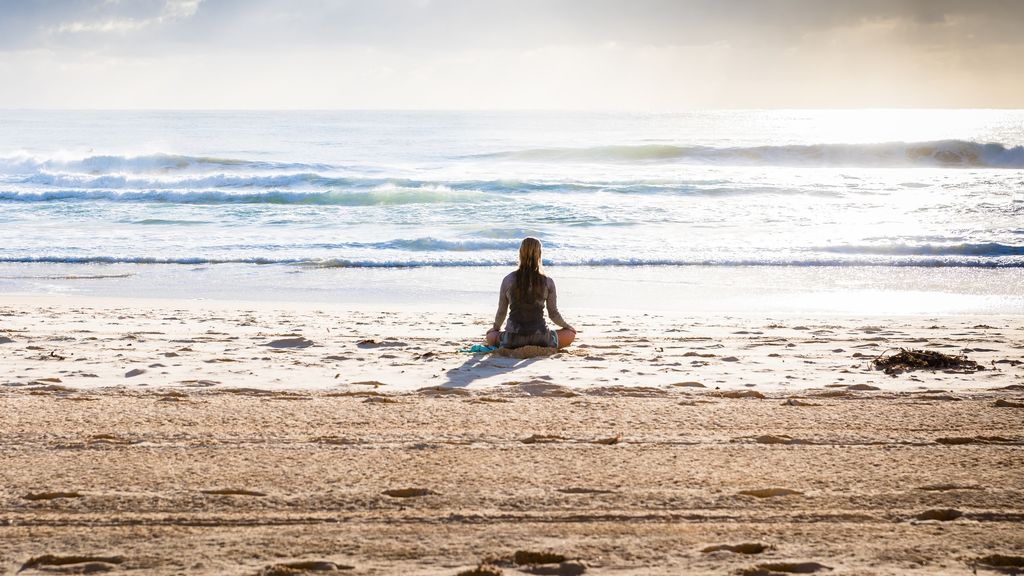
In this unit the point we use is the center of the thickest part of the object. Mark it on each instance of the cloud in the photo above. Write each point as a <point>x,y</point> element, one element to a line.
<point>636,54</point>
<point>170,11</point>
<point>447,24</point>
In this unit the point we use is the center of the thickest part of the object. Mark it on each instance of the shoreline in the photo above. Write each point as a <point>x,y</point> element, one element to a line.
<point>698,290</point>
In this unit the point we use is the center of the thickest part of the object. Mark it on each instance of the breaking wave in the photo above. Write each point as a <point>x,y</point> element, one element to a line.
<point>160,163</point>
<point>930,261</point>
<point>942,153</point>
<point>985,249</point>
<point>383,195</point>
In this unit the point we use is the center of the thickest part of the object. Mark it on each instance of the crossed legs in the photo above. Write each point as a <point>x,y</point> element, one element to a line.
<point>565,337</point>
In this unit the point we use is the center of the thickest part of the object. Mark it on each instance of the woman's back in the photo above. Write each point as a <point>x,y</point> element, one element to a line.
<point>526,309</point>
<point>523,296</point>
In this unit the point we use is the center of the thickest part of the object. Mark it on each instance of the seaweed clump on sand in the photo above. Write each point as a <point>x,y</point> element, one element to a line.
<point>906,360</point>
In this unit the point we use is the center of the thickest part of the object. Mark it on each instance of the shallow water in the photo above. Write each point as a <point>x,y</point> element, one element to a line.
<point>699,290</point>
<point>351,189</point>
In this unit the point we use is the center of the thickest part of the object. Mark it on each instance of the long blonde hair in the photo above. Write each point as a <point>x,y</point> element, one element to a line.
<point>530,275</point>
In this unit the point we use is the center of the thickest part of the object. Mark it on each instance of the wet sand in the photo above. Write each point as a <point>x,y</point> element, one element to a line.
<point>241,446</point>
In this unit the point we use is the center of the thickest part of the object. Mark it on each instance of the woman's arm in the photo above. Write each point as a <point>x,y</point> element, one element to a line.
<point>552,303</point>
<point>506,284</point>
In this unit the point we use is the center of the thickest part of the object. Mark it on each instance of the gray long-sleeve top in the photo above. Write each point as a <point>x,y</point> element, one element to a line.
<point>505,294</point>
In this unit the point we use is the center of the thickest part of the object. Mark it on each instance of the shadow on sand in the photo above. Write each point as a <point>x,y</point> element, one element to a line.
<point>500,361</point>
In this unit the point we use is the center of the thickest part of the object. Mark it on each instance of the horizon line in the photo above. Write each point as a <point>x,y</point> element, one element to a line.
<point>521,110</point>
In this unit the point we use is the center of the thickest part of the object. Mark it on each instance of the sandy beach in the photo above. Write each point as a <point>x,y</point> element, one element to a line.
<point>251,253</point>
<point>185,437</point>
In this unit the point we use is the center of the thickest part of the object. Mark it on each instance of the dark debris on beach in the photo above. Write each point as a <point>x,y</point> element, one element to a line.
<point>907,359</point>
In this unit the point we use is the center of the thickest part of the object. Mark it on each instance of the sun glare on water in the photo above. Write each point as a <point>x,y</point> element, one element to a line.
<point>869,126</point>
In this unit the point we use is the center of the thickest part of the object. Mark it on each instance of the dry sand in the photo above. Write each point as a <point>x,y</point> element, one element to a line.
<point>183,438</point>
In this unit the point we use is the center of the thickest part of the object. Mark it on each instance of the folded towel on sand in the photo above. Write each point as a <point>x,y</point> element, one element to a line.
<point>521,353</point>
<point>479,349</point>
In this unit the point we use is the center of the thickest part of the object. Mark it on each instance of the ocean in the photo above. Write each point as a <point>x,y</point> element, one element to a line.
<point>433,204</point>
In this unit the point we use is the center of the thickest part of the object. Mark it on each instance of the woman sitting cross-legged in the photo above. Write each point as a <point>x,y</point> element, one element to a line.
<point>524,295</point>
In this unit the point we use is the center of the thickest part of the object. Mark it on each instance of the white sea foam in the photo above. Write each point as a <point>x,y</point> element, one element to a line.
<point>432,253</point>
<point>943,153</point>
<point>411,190</point>
<point>382,195</point>
<point>506,262</point>
<point>159,163</point>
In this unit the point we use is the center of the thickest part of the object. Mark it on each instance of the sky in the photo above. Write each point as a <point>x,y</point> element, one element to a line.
<point>636,55</point>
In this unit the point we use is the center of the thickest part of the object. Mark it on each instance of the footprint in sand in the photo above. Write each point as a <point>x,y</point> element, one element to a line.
<point>442,391</point>
<point>1001,563</point>
<point>50,495</point>
<point>232,492</point>
<point>833,394</point>
<point>100,439</point>
<point>543,439</point>
<point>745,548</point>
<point>199,383</point>
<point>568,568</point>
<point>947,487</point>
<point>544,389</point>
<point>336,440</point>
<point>370,343</point>
<point>584,491</point>
<point>628,391</point>
<point>357,393</point>
<point>774,568</point>
<point>408,492</point>
<point>772,439</point>
<point>526,557</point>
<point>242,391</point>
<point>797,402</point>
<point>299,342</point>
<point>956,441</point>
<point>769,492</point>
<point>547,563</point>
<point>380,400</point>
<point>740,394</point>
<point>482,570</point>
<point>940,514</point>
<point>49,388</point>
<point>488,400</point>
<point>72,564</point>
<point>172,396</point>
<point>301,567</point>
